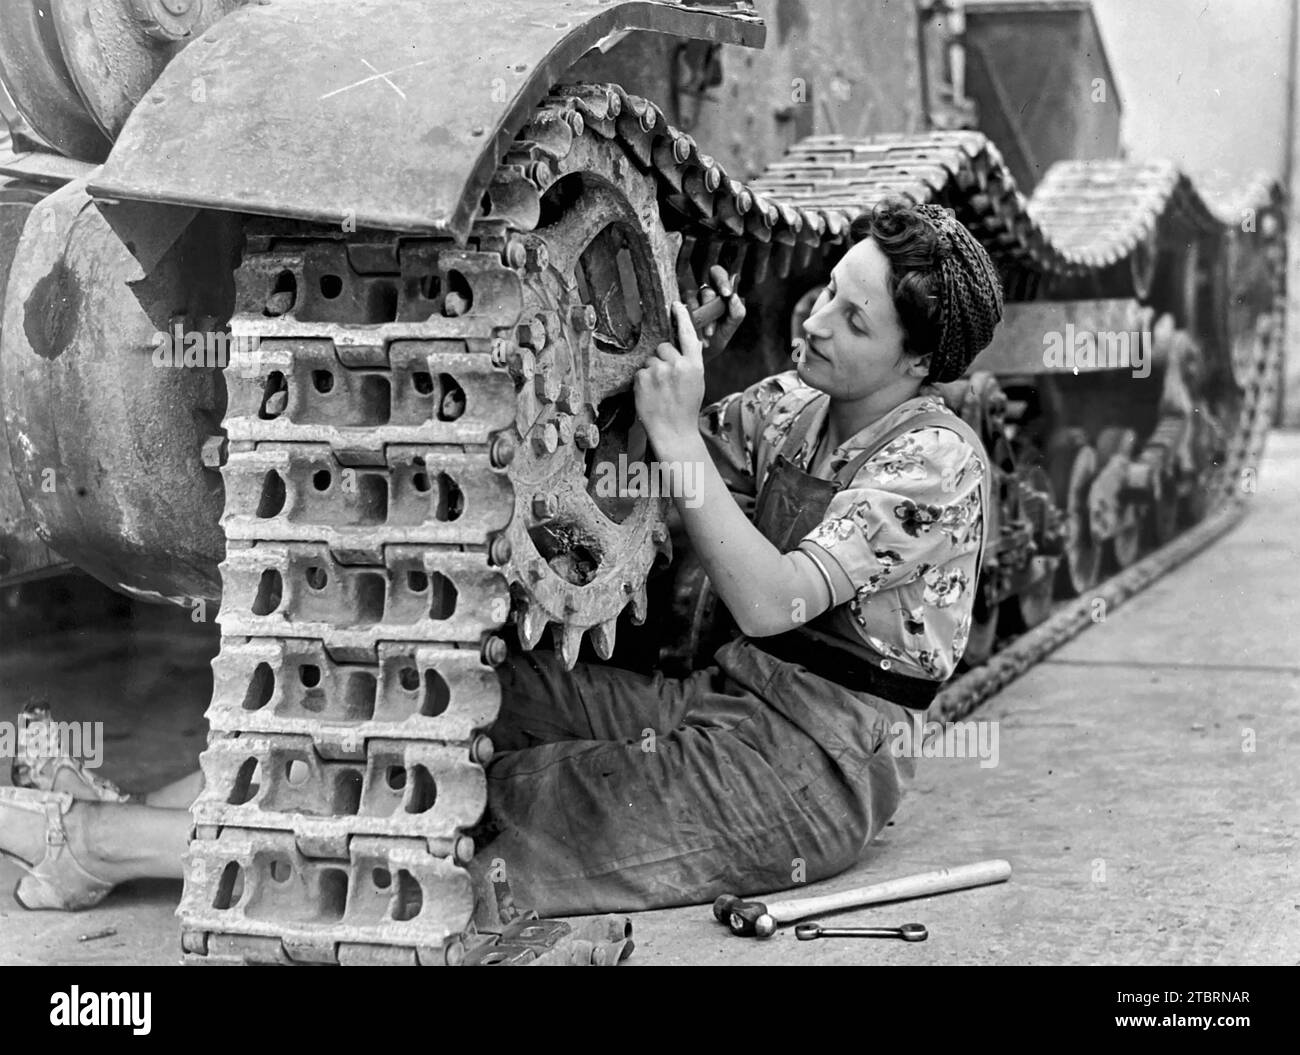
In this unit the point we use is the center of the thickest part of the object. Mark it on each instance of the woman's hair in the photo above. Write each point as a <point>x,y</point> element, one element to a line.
<point>911,244</point>
<point>945,289</point>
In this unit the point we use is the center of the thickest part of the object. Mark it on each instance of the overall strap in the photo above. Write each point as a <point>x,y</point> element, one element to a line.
<point>934,419</point>
<point>802,424</point>
<point>798,431</point>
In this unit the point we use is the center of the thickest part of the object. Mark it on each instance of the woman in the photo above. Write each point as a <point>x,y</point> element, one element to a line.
<point>852,586</point>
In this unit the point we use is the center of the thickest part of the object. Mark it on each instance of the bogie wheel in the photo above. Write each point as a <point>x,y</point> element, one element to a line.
<point>1033,604</point>
<point>983,632</point>
<point>982,640</point>
<point>1205,478</point>
<point>113,57</point>
<point>38,80</point>
<point>1073,468</point>
<point>1163,518</point>
<point>1126,540</point>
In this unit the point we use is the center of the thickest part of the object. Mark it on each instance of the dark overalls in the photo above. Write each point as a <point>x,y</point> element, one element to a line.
<point>615,791</point>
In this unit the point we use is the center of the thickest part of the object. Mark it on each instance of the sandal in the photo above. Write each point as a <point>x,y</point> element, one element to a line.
<point>58,880</point>
<point>42,773</point>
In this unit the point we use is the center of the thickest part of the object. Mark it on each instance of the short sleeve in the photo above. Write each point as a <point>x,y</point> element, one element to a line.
<point>911,506</point>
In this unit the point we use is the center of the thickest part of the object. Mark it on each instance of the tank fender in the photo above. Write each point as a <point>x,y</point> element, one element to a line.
<point>389,114</point>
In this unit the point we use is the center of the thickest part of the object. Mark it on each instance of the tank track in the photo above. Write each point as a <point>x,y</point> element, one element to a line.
<point>406,441</point>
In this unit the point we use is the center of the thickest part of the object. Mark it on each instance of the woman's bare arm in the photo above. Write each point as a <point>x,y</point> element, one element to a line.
<point>767,592</point>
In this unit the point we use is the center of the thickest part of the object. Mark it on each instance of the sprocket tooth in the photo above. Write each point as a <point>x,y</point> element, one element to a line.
<point>568,643</point>
<point>602,638</point>
<point>640,605</point>
<point>531,622</point>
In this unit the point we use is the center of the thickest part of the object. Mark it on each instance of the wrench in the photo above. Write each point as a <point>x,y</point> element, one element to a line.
<point>908,932</point>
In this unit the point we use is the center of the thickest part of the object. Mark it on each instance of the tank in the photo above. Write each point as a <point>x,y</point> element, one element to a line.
<point>336,343</point>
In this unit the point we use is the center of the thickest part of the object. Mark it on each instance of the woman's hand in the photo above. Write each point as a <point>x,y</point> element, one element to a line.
<point>717,335</point>
<point>669,389</point>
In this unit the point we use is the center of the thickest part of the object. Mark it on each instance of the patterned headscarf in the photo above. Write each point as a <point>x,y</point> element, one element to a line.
<point>972,296</point>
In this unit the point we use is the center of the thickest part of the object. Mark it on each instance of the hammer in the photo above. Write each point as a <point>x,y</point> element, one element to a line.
<point>749,918</point>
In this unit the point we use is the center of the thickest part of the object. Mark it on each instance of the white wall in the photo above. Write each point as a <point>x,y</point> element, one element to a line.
<point>1204,82</point>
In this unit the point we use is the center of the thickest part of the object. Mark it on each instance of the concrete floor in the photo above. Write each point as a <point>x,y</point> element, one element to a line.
<point>1138,828</point>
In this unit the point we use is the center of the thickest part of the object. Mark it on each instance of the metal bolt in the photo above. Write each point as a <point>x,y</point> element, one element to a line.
<point>522,364</point>
<point>531,334</point>
<point>540,173</point>
<point>464,849</point>
<point>481,749</point>
<point>564,425</point>
<point>567,400</point>
<point>516,256</point>
<point>495,651</point>
<point>546,387</point>
<point>576,124</point>
<point>538,257</point>
<point>545,506</point>
<point>214,452</point>
<point>582,317</point>
<point>502,451</point>
<point>499,551</point>
<point>648,119</point>
<point>587,437</point>
<point>614,102</point>
<point>501,349</point>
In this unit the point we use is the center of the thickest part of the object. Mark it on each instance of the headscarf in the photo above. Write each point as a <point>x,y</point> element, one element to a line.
<point>972,296</point>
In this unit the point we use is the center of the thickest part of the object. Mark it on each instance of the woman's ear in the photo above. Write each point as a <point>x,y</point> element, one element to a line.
<point>918,365</point>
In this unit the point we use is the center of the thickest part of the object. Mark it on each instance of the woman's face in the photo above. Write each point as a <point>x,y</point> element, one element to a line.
<point>853,339</point>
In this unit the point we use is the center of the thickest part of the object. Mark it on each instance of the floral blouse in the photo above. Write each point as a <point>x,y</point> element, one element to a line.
<point>905,531</point>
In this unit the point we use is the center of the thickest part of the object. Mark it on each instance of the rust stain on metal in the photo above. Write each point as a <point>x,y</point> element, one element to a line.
<point>50,314</point>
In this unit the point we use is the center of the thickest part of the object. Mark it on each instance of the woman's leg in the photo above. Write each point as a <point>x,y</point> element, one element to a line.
<point>178,795</point>
<point>114,841</point>
<point>773,778</point>
<point>122,842</point>
<point>542,703</point>
<point>737,799</point>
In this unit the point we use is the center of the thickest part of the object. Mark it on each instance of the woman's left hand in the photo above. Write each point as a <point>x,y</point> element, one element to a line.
<point>669,389</point>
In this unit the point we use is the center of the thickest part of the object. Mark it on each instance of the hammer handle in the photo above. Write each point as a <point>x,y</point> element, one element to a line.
<point>981,873</point>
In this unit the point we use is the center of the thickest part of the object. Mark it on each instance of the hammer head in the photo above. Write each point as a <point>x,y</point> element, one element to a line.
<point>751,919</point>
<point>723,906</point>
